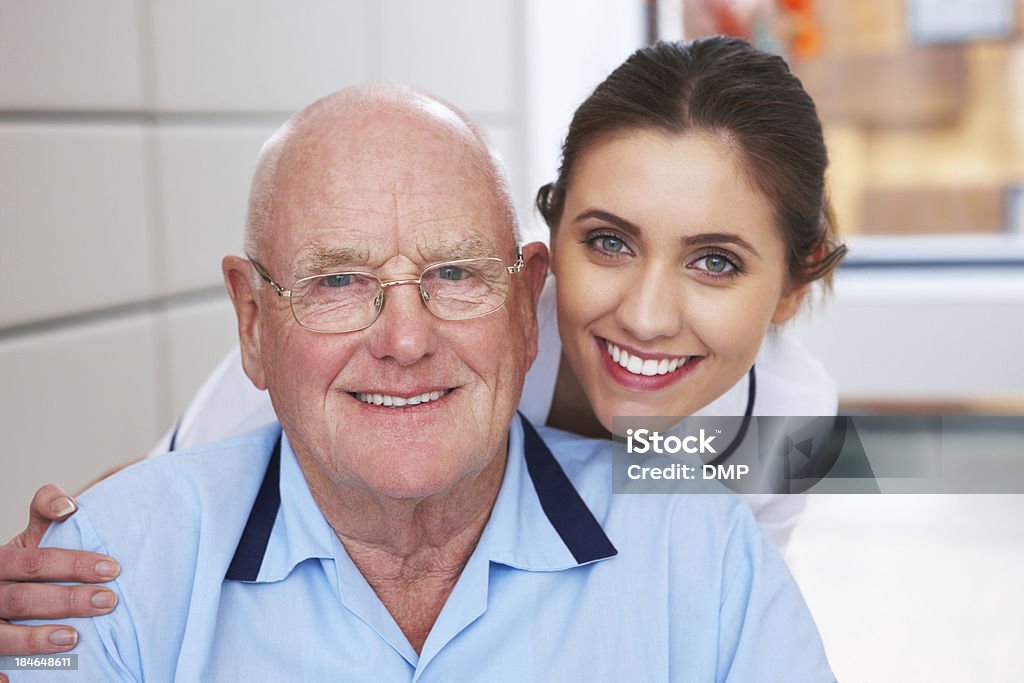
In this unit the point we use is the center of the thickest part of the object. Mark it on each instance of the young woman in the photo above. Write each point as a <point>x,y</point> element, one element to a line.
<point>688,219</point>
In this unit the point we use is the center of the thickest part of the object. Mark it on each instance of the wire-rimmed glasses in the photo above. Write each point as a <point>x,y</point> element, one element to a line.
<point>352,300</point>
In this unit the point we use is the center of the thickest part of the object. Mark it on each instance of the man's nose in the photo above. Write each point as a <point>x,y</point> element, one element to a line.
<point>652,305</point>
<point>405,330</point>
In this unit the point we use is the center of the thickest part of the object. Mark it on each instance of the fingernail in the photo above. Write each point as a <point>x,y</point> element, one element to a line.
<point>64,637</point>
<point>62,507</point>
<point>108,568</point>
<point>104,600</point>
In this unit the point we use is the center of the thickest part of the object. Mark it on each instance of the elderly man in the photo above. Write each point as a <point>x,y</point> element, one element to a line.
<point>402,523</point>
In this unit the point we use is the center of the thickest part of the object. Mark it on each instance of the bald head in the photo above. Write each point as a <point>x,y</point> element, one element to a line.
<point>368,120</point>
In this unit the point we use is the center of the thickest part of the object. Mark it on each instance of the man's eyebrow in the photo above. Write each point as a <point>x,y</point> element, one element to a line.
<point>704,238</point>
<point>320,258</point>
<point>446,249</point>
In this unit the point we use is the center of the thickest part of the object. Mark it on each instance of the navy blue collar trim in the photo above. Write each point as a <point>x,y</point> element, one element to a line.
<point>174,436</point>
<point>245,565</point>
<point>566,511</point>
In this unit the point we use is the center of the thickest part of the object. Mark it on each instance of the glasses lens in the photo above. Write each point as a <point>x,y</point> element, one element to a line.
<point>340,302</point>
<point>465,289</point>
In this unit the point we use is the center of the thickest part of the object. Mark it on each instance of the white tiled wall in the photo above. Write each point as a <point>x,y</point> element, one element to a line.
<point>77,224</point>
<point>259,55</point>
<point>469,56</point>
<point>76,401</point>
<point>194,337</point>
<point>203,175</point>
<point>66,55</point>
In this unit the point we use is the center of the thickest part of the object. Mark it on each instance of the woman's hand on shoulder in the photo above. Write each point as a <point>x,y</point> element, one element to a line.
<point>27,573</point>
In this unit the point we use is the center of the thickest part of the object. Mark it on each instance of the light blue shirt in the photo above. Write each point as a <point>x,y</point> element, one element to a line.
<point>230,573</point>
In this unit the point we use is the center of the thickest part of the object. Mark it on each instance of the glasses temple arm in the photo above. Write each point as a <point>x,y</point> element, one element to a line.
<point>518,265</point>
<point>262,272</point>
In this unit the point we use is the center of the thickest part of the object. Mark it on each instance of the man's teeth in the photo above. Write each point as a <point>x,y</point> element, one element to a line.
<point>399,401</point>
<point>639,366</point>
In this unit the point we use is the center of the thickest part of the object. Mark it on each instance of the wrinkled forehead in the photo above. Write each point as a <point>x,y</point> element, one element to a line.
<point>376,189</point>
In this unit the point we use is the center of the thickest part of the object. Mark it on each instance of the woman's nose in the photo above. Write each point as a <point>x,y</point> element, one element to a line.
<point>652,305</point>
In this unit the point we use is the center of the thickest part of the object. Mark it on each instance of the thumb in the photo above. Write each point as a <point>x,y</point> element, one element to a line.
<point>48,505</point>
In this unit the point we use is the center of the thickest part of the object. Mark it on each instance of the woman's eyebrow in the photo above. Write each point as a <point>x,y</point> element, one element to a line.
<point>618,221</point>
<point>704,238</point>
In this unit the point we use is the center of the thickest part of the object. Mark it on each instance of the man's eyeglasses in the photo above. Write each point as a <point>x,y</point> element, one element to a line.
<point>351,301</point>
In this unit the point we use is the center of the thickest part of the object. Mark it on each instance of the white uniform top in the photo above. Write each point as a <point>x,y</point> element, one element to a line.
<point>789,381</point>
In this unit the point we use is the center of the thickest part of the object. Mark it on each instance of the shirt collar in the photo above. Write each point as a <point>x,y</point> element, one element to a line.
<point>285,525</point>
<point>539,521</point>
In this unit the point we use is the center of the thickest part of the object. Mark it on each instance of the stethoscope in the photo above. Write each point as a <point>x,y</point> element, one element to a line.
<point>797,466</point>
<point>741,434</point>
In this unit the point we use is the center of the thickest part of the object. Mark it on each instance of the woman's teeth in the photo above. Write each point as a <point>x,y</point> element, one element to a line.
<point>399,401</point>
<point>639,366</point>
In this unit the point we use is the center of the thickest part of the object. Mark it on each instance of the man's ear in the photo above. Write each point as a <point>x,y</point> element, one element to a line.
<point>552,239</point>
<point>238,276</point>
<point>533,276</point>
<point>789,304</point>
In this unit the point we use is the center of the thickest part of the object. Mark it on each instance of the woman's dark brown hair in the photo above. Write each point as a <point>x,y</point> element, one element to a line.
<point>727,88</point>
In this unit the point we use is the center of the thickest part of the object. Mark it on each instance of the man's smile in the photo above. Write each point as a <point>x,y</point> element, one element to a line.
<point>395,401</point>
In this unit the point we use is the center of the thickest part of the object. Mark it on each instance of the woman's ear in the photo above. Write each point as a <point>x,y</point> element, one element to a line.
<point>789,304</point>
<point>238,276</point>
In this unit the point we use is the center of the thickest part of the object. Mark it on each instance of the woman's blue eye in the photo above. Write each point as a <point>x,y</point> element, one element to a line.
<point>606,245</point>
<point>716,264</point>
<point>338,280</point>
